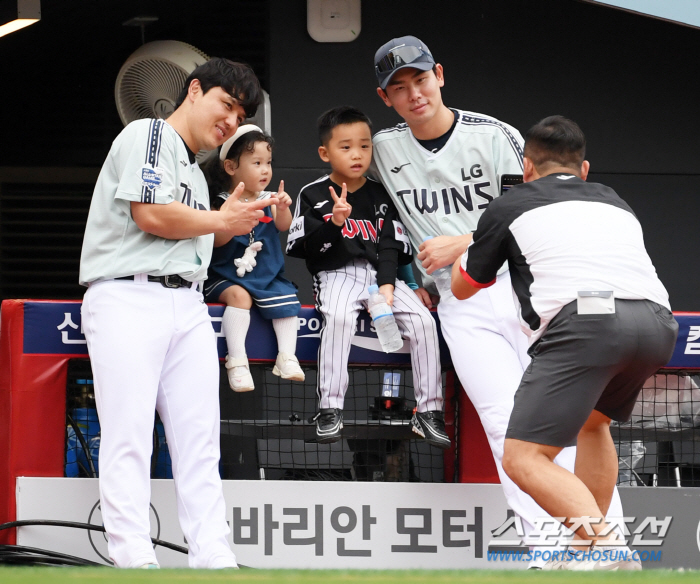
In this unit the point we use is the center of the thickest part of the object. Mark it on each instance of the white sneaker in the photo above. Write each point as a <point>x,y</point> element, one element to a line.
<point>287,367</point>
<point>150,567</point>
<point>609,558</point>
<point>239,377</point>
<point>559,560</point>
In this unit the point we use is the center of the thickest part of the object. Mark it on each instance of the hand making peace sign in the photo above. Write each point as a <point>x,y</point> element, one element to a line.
<point>341,209</point>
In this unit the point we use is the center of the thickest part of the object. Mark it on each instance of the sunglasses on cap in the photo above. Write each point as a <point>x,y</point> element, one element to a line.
<point>400,56</point>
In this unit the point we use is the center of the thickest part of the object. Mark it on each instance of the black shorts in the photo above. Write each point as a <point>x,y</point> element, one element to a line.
<point>587,362</point>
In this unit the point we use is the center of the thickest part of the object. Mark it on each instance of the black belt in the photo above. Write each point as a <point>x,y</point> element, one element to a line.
<point>173,281</point>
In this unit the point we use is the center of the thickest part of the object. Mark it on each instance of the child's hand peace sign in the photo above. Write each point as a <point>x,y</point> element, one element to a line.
<point>341,209</point>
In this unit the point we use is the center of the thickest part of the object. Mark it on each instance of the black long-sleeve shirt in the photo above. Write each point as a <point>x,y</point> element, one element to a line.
<point>373,231</point>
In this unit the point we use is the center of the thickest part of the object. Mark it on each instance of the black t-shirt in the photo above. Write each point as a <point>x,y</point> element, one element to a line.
<point>561,235</point>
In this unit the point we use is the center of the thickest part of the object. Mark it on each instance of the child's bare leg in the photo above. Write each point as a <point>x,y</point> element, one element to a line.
<point>237,297</point>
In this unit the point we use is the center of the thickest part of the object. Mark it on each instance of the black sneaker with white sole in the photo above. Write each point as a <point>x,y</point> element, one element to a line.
<point>431,426</point>
<point>329,423</point>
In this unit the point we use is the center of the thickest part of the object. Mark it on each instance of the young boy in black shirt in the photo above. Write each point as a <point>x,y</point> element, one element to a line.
<point>351,241</point>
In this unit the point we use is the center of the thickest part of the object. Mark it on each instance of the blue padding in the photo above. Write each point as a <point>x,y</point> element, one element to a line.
<point>54,328</point>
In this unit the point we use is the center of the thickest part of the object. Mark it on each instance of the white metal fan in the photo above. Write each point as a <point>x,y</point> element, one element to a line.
<point>151,79</point>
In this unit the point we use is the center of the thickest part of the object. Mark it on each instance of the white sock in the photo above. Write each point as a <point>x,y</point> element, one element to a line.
<point>286,332</point>
<point>236,322</point>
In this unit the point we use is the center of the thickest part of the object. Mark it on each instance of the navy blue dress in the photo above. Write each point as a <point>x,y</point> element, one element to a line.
<point>272,293</point>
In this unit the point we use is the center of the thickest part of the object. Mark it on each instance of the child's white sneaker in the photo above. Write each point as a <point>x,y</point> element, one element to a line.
<point>287,367</point>
<point>239,377</point>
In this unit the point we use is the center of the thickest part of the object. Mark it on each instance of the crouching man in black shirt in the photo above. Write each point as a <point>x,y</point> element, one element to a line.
<point>599,323</point>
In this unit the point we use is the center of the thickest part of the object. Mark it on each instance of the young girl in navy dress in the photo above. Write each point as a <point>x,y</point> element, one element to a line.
<point>246,157</point>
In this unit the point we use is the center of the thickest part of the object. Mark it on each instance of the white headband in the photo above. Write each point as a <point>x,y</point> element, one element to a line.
<point>226,146</point>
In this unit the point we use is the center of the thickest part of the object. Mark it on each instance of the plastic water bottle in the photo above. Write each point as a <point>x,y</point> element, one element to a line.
<point>442,277</point>
<point>384,322</point>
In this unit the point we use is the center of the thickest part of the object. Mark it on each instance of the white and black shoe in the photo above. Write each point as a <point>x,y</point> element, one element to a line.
<point>329,423</point>
<point>431,426</point>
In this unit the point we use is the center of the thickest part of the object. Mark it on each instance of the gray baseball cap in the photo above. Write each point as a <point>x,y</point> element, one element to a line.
<point>397,54</point>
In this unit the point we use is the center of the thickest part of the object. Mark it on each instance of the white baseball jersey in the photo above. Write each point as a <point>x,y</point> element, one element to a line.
<point>148,163</point>
<point>152,348</point>
<point>445,193</point>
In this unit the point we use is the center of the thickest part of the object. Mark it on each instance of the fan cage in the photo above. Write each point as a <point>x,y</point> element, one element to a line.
<point>145,83</point>
<point>151,79</point>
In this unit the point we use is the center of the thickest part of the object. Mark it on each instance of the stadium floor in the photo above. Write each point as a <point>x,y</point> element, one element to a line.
<point>13,575</point>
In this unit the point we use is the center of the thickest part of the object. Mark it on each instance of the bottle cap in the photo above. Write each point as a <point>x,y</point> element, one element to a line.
<point>373,288</point>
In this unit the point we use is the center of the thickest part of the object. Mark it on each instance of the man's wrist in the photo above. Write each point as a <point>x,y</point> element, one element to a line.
<point>220,224</point>
<point>461,243</point>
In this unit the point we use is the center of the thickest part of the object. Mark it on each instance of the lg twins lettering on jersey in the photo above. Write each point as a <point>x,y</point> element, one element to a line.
<point>444,193</point>
<point>359,227</point>
<point>373,230</point>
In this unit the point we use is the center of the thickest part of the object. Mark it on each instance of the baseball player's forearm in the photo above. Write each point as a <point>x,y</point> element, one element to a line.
<point>456,246</point>
<point>461,288</point>
<point>175,220</point>
<point>442,251</point>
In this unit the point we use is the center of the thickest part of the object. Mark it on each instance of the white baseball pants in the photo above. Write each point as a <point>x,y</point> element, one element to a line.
<point>489,354</point>
<point>340,296</point>
<point>153,348</point>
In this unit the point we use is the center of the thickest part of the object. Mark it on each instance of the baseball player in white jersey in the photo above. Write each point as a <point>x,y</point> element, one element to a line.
<point>147,246</point>
<point>443,167</point>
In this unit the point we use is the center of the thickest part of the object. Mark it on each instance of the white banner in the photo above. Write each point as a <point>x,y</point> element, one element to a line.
<point>296,524</point>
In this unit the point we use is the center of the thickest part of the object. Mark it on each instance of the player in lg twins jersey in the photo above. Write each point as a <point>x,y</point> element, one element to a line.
<point>442,167</point>
<point>148,243</point>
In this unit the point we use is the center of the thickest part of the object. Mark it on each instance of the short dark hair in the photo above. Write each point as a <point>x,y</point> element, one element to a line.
<point>218,180</point>
<point>236,79</point>
<point>344,114</point>
<point>555,140</point>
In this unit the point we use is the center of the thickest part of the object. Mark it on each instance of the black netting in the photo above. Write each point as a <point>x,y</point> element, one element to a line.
<point>267,433</point>
<point>659,445</point>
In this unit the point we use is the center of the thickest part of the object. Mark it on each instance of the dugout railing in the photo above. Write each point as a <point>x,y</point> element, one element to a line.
<point>46,428</point>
